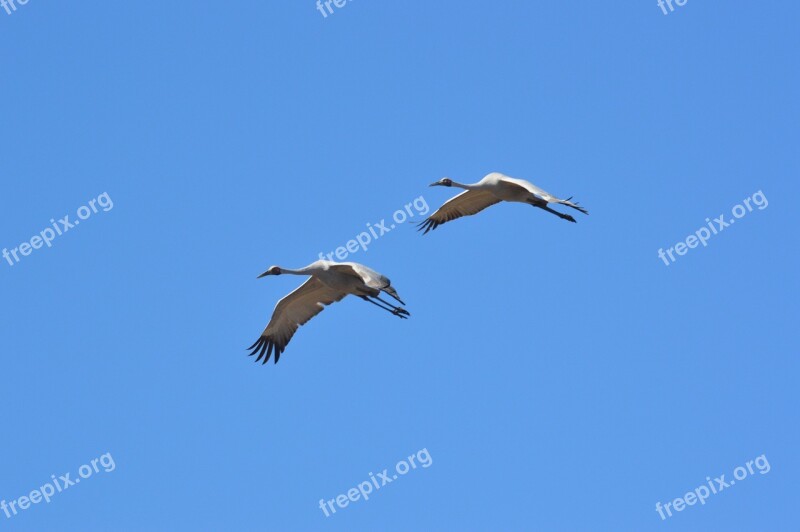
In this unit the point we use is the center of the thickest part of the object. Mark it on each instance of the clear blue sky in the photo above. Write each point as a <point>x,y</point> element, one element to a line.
<point>561,376</point>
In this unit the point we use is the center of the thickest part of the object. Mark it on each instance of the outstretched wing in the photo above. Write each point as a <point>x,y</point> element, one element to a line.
<point>292,312</point>
<point>467,203</point>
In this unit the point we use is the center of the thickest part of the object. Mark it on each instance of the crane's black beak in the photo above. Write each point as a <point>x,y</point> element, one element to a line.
<point>264,274</point>
<point>437,184</point>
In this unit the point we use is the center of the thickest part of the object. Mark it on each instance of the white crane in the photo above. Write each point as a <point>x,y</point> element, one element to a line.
<point>492,189</point>
<point>329,282</point>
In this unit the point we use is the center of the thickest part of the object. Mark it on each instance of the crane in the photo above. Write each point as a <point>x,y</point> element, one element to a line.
<point>328,283</point>
<point>492,189</point>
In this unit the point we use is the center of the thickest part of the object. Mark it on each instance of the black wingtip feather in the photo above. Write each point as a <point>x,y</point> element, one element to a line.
<point>264,348</point>
<point>428,225</point>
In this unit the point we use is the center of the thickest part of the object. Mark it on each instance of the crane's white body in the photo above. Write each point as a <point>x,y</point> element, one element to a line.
<point>510,189</point>
<point>335,276</point>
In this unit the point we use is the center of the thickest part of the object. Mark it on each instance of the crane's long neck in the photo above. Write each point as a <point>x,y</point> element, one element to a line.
<point>308,270</point>
<point>461,185</point>
<point>312,269</point>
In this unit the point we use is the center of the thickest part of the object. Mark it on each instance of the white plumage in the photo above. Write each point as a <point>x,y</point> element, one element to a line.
<point>490,190</point>
<point>329,282</point>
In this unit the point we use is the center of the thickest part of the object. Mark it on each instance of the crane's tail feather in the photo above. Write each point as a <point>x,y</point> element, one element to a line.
<point>574,205</point>
<point>392,292</point>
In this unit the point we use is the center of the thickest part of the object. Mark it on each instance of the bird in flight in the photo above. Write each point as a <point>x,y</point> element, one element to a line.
<point>328,283</point>
<point>492,189</point>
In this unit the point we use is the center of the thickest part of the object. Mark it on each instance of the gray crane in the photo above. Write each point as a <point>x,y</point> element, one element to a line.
<point>492,189</point>
<point>329,282</point>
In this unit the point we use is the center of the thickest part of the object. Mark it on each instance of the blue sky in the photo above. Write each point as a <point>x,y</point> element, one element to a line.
<point>560,376</point>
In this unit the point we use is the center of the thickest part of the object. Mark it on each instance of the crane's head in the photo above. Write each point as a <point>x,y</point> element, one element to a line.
<point>445,182</point>
<point>272,271</point>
